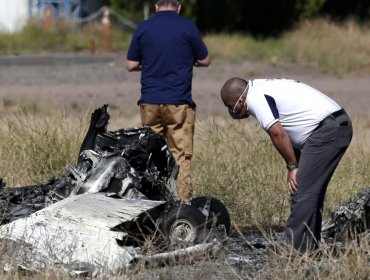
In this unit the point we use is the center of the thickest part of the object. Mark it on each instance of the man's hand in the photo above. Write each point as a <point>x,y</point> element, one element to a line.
<point>292,181</point>
<point>133,65</point>
<point>202,62</point>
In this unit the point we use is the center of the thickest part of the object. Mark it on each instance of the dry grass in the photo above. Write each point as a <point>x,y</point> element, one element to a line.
<point>61,38</point>
<point>239,46</point>
<point>320,43</point>
<point>349,262</point>
<point>36,145</point>
<point>335,48</point>
<point>234,162</point>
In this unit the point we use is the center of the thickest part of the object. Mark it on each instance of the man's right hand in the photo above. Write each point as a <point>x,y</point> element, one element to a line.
<point>203,63</point>
<point>133,65</point>
<point>292,181</point>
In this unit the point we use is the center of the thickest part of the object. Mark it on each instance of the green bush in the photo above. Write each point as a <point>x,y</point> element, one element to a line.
<point>34,38</point>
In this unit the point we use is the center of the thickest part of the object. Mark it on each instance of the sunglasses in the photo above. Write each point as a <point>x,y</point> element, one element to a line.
<point>233,111</point>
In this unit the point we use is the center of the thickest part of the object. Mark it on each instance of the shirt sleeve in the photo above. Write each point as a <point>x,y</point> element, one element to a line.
<point>263,110</point>
<point>134,51</point>
<point>199,48</point>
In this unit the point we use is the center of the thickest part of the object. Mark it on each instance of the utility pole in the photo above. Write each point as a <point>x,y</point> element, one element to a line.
<point>106,30</point>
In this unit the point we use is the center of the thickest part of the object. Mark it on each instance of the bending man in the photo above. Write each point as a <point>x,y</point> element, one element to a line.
<point>309,130</point>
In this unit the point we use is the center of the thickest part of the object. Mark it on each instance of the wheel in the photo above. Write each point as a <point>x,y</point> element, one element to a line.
<point>182,225</point>
<point>214,210</point>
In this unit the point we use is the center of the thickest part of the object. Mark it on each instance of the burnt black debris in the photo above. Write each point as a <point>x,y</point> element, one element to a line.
<point>16,203</point>
<point>131,163</point>
<point>138,159</point>
<point>350,219</point>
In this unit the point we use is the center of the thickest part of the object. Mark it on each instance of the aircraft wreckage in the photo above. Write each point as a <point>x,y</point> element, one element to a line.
<point>350,220</point>
<point>120,194</point>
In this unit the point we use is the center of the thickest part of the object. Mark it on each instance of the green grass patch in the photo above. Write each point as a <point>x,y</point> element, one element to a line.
<point>60,38</point>
<point>328,46</point>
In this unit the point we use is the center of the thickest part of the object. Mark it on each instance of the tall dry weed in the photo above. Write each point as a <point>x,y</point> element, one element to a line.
<point>348,262</point>
<point>236,162</point>
<point>332,47</point>
<point>37,145</point>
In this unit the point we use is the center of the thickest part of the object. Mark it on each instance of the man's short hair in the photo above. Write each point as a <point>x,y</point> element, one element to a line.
<point>173,3</point>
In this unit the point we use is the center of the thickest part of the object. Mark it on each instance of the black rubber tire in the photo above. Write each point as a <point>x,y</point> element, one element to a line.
<point>218,211</point>
<point>182,225</point>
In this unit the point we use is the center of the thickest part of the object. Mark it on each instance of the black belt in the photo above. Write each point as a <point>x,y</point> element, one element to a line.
<point>333,115</point>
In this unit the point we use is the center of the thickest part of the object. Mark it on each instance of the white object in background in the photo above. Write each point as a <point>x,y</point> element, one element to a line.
<point>14,15</point>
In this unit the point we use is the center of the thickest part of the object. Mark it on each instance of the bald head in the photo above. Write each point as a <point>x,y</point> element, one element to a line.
<point>168,3</point>
<point>232,89</point>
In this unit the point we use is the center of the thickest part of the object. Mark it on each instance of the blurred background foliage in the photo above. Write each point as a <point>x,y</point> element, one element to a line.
<point>260,18</point>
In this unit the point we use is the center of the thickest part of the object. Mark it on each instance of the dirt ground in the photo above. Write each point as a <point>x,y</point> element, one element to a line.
<point>78,81</point>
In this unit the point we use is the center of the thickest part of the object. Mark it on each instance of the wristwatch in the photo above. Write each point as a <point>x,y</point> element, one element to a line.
<point>291,167</point>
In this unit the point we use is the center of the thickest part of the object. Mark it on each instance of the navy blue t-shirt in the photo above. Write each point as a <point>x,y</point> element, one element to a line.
<point>166,45</point>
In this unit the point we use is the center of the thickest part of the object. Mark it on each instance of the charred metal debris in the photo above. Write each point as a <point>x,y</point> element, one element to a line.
<point>120,194</point>
<point>350,220</point>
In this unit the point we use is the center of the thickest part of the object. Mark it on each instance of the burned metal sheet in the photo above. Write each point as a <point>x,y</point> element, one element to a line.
<point>76,230</point>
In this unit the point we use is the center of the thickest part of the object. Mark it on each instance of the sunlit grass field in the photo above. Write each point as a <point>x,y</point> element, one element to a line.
<point>319,43</point>
<point>234,161</point>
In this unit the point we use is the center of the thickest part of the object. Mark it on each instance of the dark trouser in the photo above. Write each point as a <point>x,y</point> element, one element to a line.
<point>318,160</point>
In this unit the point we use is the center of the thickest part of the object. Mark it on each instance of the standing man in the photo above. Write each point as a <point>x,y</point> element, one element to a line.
<point>165,48</point>
<point>309,130</point>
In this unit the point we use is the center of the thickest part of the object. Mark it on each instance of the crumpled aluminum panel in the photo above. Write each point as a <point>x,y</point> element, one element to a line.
<point>76,231</point>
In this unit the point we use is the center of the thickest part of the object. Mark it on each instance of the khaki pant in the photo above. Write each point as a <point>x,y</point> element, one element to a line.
<point>176,123</point>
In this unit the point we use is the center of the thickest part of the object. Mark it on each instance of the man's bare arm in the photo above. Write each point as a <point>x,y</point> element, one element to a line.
<point>282,143</point>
